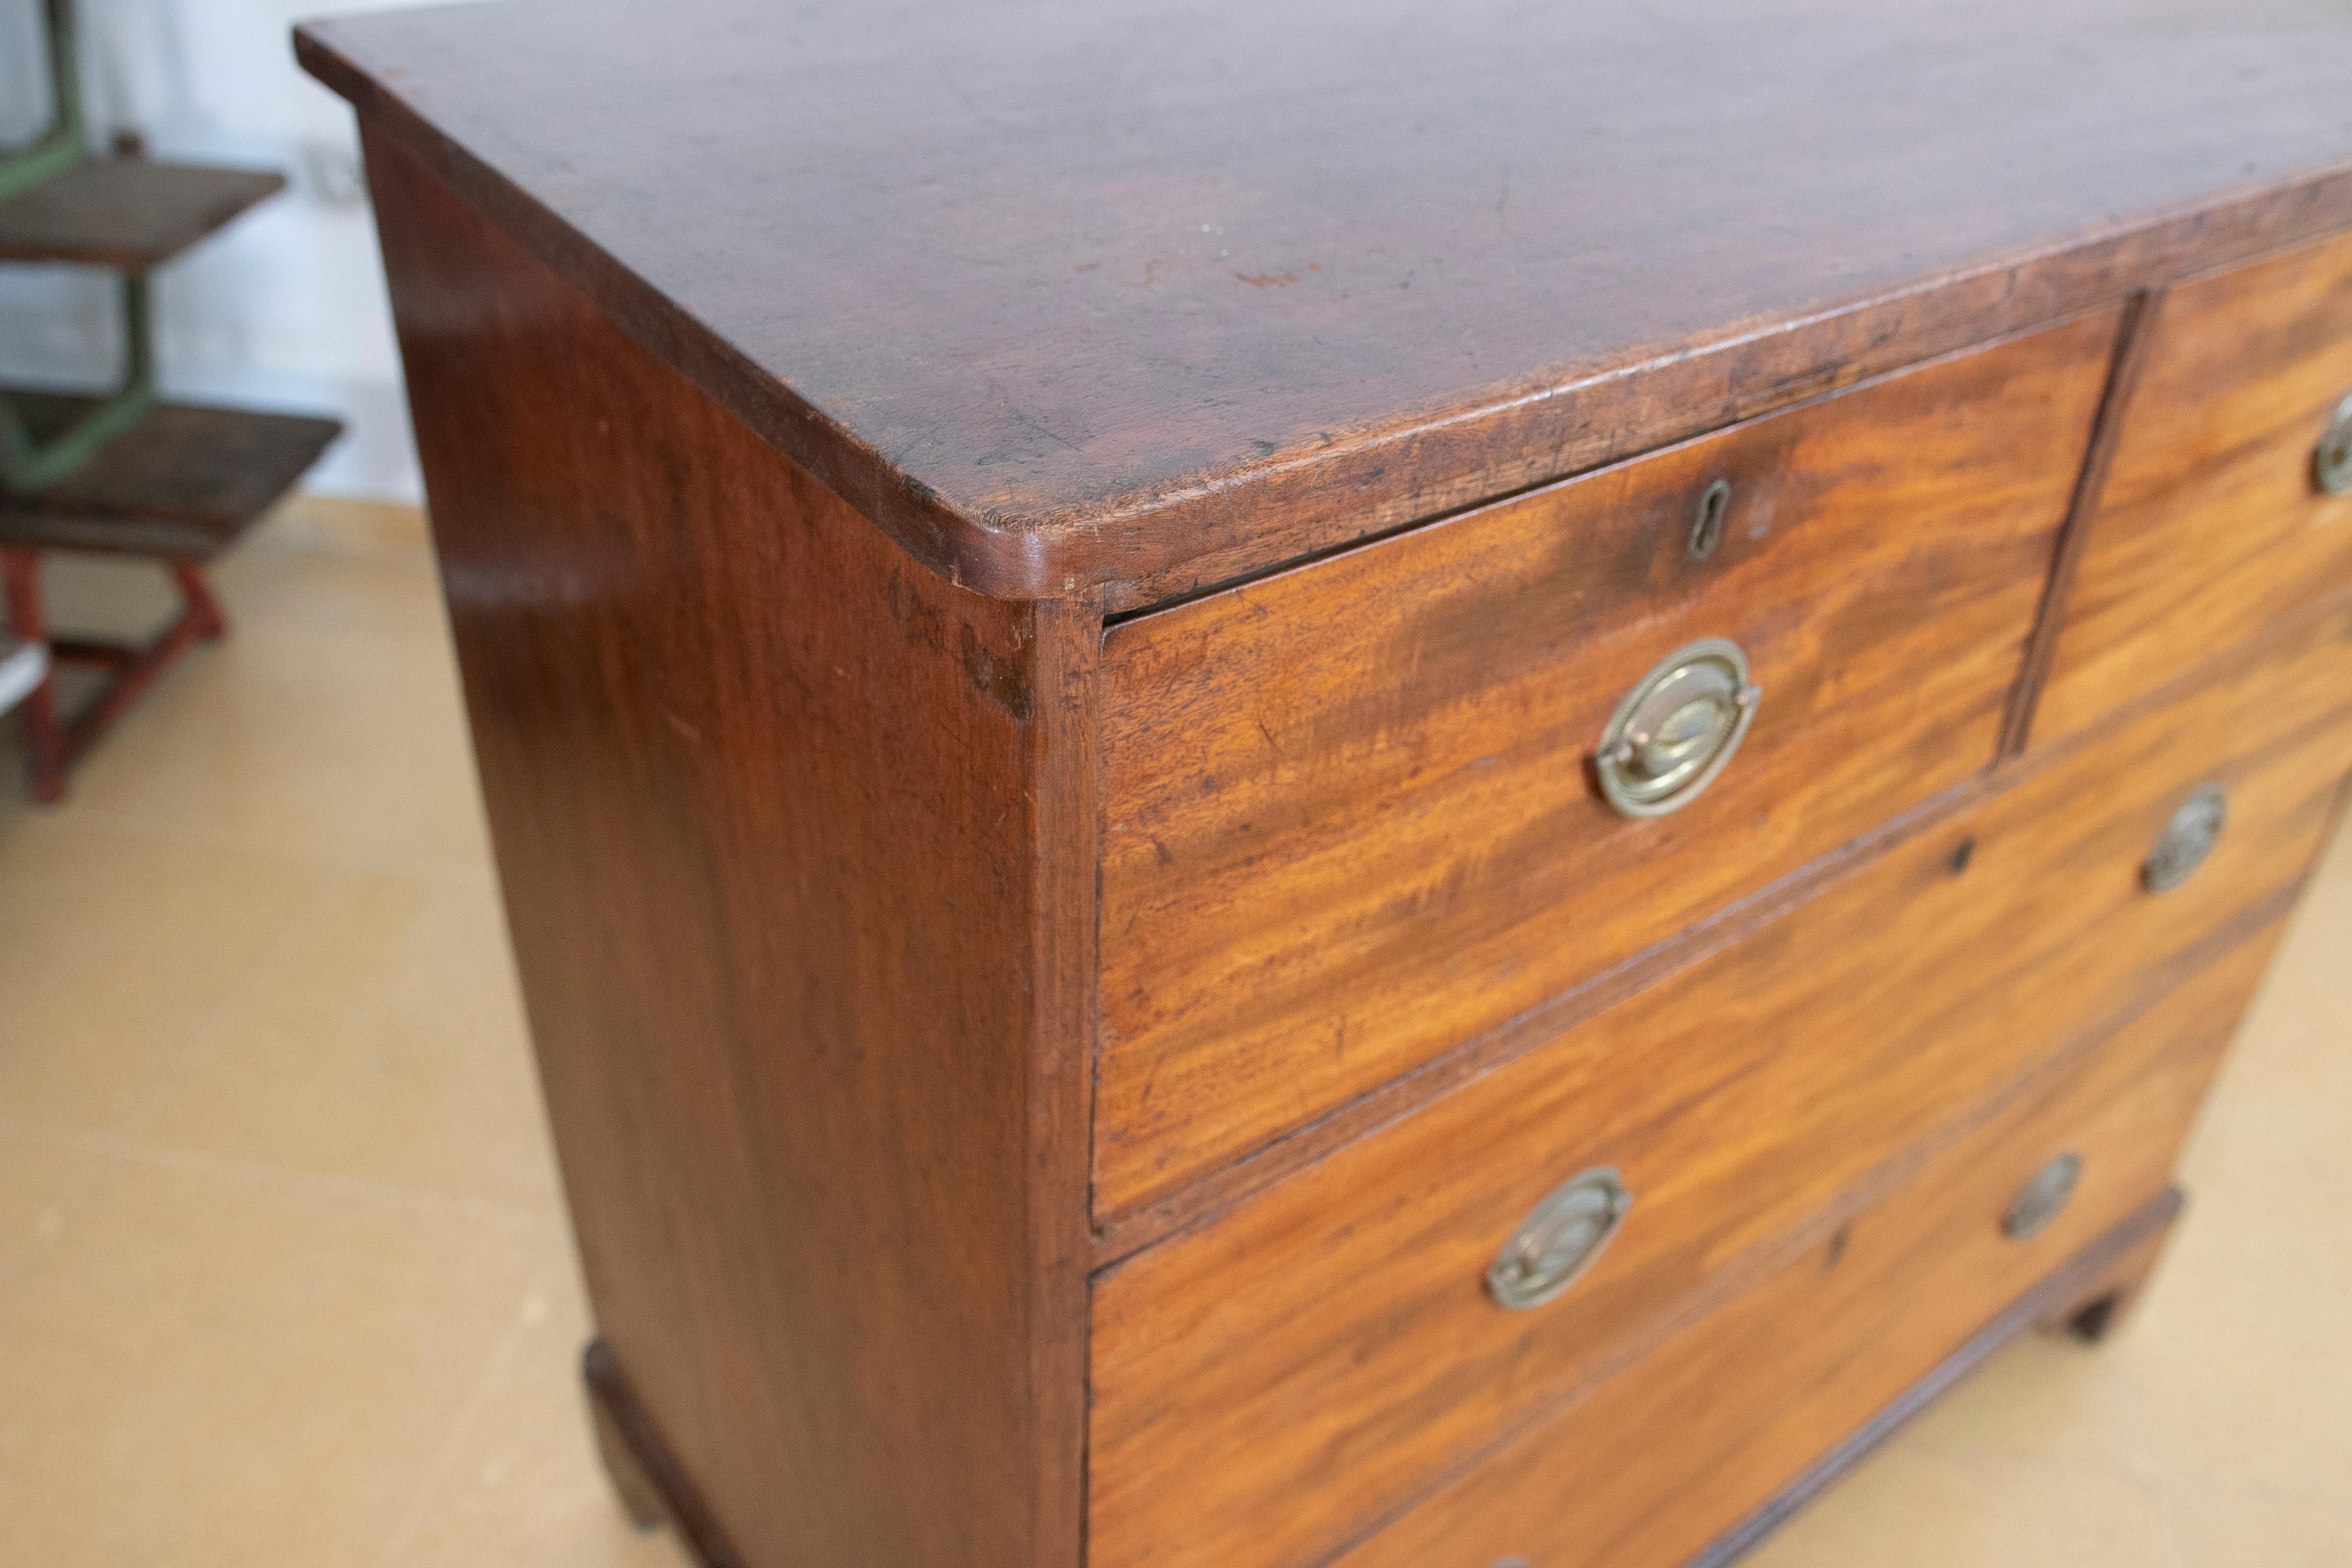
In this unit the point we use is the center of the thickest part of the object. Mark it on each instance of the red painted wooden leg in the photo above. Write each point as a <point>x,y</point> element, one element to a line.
<point>206,619</point>
<point>46,746</point>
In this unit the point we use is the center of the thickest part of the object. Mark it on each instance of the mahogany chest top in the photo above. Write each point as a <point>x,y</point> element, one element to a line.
<point>1151,296</point>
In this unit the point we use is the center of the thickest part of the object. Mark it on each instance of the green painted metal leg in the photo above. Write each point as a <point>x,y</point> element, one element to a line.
<point>65,142</point>
<point>27,465</point>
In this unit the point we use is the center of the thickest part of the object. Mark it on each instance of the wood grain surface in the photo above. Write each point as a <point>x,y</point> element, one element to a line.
<point>2210,526</point>
<point>1266,1386</point>
<point>1349,813</point>
<point>1159,293</point>
<point>1654,1465</point>
<point>2087,1296</point>
<point>796,842</point>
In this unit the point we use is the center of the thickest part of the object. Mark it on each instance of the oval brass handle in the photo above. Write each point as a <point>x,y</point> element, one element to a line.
<point>2331,464</point>
<point>1560,1239</point>
<point>1676,728</point>
<point>2043,1197</point>
<point>2187,839</point>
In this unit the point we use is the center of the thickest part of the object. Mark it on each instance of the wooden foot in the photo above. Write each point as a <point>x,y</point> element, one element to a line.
<point>2100,1280</point>
<point>2105,1301</point>
<point>636,1490</point>
<point>652,1487</point>
<point>205,617</point>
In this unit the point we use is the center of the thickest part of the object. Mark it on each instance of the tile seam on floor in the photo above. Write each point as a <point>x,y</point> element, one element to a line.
<point>413,1201</point>
<point>527,1313</point>
<point>309,545</point>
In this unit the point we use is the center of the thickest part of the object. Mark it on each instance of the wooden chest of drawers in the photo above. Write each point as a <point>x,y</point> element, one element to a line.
<point>1287,786</point>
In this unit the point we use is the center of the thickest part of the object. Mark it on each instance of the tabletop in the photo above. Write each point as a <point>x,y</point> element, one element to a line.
<point>1143,294</point>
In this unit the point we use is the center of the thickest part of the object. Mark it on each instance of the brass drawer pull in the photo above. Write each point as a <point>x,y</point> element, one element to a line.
<point>2043,1198</point>
<point>1563,1236</point>
<point>1676,728</point>
<point>2331,466</point>
<point>2187,839</point>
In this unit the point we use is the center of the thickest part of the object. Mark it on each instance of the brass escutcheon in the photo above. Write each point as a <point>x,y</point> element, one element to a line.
<point>1706,521</point>
<point>2043,1197</point>
<point>2187,839</point>
<point>2331,464</point>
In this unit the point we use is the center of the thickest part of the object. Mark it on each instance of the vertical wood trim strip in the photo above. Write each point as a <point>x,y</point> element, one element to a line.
<point>2132,337</point>
<point>1067,829</point>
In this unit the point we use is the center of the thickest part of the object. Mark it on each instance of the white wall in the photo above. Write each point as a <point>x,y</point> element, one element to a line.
<point>284,308</point>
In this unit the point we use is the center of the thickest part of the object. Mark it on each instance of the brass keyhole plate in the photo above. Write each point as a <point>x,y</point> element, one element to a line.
<point>1706,521</point>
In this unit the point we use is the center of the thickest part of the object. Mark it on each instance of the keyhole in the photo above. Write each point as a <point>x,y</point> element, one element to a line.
<point>1706,525</point>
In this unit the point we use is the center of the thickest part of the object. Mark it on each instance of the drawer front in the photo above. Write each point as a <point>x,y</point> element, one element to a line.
<point>2213,521</point>
<point>1657,1462</point>
<point>1267,1385</point>
<point>1350,811</point>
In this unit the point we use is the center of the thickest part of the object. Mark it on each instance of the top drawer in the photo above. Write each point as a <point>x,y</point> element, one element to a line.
<point>2215,519</point>
<point>1350,811</point>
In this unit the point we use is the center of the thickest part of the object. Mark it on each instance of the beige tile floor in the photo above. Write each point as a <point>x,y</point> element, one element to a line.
<point>284,1278</point>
